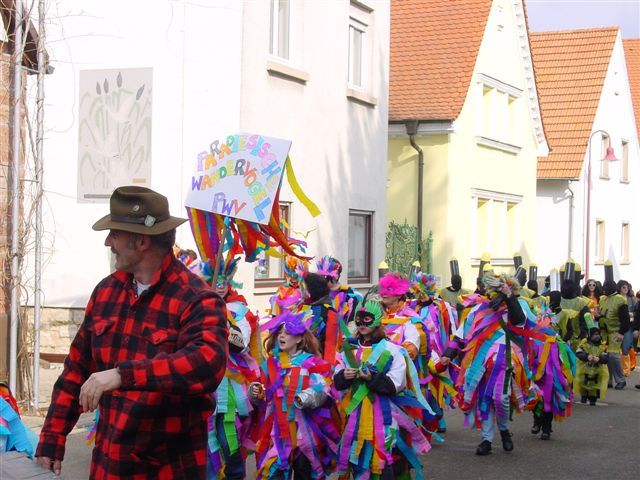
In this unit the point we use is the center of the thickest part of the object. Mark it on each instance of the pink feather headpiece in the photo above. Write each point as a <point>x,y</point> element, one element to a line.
<point>393,284</point>
<point>328,266</point>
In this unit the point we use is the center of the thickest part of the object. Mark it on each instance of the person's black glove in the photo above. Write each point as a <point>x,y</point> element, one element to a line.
<point>382,384</point>
<point>495,302</point>
<point>236,342</point>
<point>340,382</point>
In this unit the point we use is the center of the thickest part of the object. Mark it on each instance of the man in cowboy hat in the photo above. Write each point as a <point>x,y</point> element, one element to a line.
<point>151,350</point>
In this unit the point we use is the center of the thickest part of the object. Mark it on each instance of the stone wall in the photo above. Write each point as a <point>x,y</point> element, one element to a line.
<point>58,326</point>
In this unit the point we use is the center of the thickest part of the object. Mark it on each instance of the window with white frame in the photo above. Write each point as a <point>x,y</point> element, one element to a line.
<point>624,168</point>
<point>499,114</point>
<point>357,35</point>
<point>359,262</point>
<point>624,254</point>
<point>281,15</point>
<point>269,271</point>
<point>496,223</point>
<point>360,38</point>
<point>604,166</point>
<point>600,226</point>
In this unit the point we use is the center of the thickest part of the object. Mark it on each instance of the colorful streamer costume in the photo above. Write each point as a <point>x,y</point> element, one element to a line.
<point>494,373</point>
<point>439,320</point>
<point>230,427</point>
<point>289,296</point>
<point>378,423</point>
<point>402,324</point>
<point>344,299</point>
<point>554,369</point>
<point>383,427</point>
<point>291,429</point>
<point>14,435</point>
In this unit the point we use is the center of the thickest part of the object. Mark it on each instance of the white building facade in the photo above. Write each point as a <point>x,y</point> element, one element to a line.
<point>312,72</point>
<point>613,229</point>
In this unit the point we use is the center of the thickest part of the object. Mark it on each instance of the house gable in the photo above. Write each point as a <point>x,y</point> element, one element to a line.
<point>434,46</point>
<point>571,67</point>
<point>632,57</point>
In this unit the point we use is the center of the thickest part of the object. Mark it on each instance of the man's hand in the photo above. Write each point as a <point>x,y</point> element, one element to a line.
<point>445,361</point>
<point>54,466</point>
<point>97,384</point>
<point>618,337</point>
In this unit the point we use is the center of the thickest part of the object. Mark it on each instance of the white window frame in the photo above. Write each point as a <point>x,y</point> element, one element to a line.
<point>498,126</point>
<point>356,25</point>
<point>600,239</point>
<point>605,142</point>
<point>274,41</point>
<point>624,243</point>
<point>500,207</point>
<point>624,168</point>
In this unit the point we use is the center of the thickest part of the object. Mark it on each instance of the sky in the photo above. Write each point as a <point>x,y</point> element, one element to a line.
<point>547,15</point>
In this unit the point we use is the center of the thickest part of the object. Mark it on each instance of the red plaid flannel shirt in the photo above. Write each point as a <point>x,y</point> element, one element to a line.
<point>170,345</point>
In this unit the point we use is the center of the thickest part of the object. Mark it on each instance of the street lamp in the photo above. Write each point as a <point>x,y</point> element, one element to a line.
<point>609,157</point>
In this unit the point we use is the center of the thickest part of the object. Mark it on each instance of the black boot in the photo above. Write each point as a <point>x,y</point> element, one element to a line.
<point>507,443</point>
<point>536,424</point>
<point>583,399</point>
<point>547,418</point>
<point>484,448</point>
<point>592,400</point>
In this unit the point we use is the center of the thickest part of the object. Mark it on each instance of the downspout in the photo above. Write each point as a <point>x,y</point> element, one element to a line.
<point>412,129</point>
<point>571,199</point>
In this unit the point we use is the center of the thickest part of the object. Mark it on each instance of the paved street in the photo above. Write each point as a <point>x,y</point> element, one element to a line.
<point>599,442</point>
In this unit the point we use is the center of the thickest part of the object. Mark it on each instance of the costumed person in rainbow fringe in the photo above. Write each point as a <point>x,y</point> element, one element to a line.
<point>343,298</point>
<point>299,434</point>
<point>232,426</point>
<point>289,296</point>
<point>402,324</point>
<point>592,372</point>
<point>494,375</point>
<point>384,406</point>
<point>439,319</point>
<point>326,324</point>
<point>14,435</point>
<point>553,368</point>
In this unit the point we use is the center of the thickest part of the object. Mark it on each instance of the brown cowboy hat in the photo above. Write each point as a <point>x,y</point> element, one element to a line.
<point>138,210</point>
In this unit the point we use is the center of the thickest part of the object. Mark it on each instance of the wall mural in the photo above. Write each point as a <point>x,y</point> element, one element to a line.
<point>114,134</point>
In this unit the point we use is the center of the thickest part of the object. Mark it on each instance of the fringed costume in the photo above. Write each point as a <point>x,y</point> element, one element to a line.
<point>299,432</point>
<point>554,369</point>
<point>14,435</point>
<point>439,319</point>
<point>494,372</point>
<point>383,405</point>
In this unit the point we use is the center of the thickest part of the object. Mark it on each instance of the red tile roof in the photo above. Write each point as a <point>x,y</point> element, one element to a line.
<point>570,67</point>
<point>632,56</point>
<point>434,45</point>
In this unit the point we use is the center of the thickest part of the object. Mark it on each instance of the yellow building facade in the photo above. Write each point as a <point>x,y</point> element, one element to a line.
<point>479,172</point>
